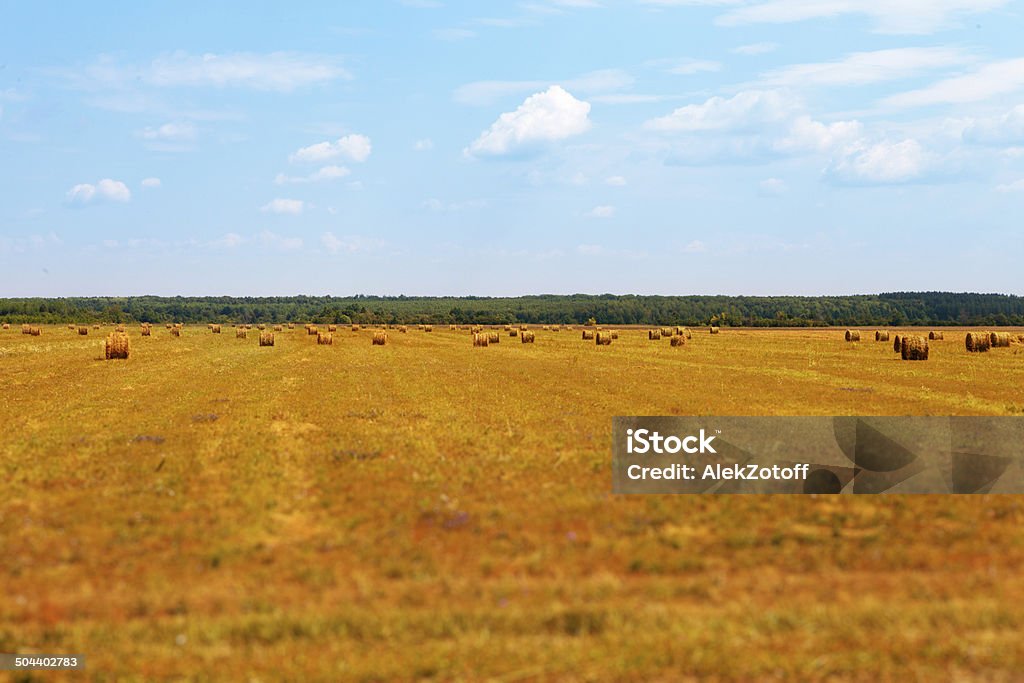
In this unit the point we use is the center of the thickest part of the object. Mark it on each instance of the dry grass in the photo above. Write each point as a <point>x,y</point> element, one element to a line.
<point>914,348</point>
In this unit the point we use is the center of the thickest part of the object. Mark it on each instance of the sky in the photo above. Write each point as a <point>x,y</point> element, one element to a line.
<point>430,147</point>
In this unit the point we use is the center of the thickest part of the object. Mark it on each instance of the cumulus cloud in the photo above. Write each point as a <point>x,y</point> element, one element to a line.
<point>603,211</point>
<point>354,147</point>
<point>884,162</point>
<point>325,173</point>
<point>103,191</point>
<point>746,110</point>
<point>151,182</point>
<point>545,117</point>
<point>284,206</point>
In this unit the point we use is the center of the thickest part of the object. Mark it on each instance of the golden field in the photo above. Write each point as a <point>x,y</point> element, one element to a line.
<point>213,510</point>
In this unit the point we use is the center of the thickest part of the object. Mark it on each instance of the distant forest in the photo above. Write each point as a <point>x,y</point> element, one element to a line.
<point>899,308</point>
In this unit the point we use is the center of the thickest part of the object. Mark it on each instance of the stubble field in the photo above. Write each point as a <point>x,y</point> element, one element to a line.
<point>213,510</point>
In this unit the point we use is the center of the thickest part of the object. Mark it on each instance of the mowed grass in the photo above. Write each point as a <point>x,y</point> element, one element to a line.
<point>213,510</point>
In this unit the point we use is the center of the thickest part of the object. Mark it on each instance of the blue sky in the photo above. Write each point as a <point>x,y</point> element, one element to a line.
<point>503,148</point>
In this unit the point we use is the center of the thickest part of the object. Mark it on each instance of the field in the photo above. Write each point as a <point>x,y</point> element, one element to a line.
<point>213,510</point>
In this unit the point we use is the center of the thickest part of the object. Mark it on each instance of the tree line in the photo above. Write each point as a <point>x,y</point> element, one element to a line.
<point>892,309</point>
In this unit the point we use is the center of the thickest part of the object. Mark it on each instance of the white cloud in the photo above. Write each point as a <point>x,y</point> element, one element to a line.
<point>755,49</point>
<point>325,173</point>
<point>864,68</point>
<point>988,81</point>
<point>603,211</point>
<point>182,131</point>
<point>104,190</point>
<point>228,241</point>
<point>889,16</point>
<point>688,67</point>
<point>806,134</point>
<point>1015,186</point>
<point>486,92</point>
<point>151,182</point>
<point>615,181</point>
<point>275,241</point>
<point>695,247</point>
<point>424,145</point>
<point>544,117</point>
<point>745,110</point>
<point>880,162</point>
<point>1007,128</point>
<point>280,71</point>
<point>434,204</point>
<point>285,206</point>
<point>355,147</point>
<point>350,243</point>
<point>773,185</point>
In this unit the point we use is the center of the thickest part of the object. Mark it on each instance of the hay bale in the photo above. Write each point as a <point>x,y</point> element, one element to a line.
<point>311,330</point>
<point>175,331</point>
<point>881,335</point>
<point>508,328</point>
<point>935,335</point>
<point>897,344</point>
<point>83,330</point>
<point>403,329</point>
<point>524,328</point>
<point>493,338</point>
<point>978,342</point>
<point>527,337</point>
<point>355,328</point>
<point>291,326</point>
<point>678,340</point>
<point>7,326</point>
<point>241,333</point>
<point>666,331</point>
<point>453,327</point>
<point>1000,339</point>
<point>853,335</point>
<point>120,328</point>
<point>117,346</point>
<point>278,328</point>
<point>615,335</point>
<point>556,328</point>
<point>96,326</point>
<point>34,330</point>
<point>380,338</point>
<point>215,329</point>
<point>653,335</point>
<point>513,332</point>
<point>428,328</point>
<point>71,326</point>
<point>914,348</point>
<point>266,338</point>
<point>714,330</point>
<point>168,325</point>
<point>146,331</point>
<point>324,339</point>
<point>480,339</point>
<point>588,335</point>
<point>603,338</point>
<point>332,328</point>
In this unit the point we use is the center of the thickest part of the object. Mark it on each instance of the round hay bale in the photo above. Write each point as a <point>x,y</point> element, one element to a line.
<point>241,333</point>
<point>453,327</point>
<point>935,335</point>
<point>332,328</point>
<point>603,338</point>
<point>324,339</point>
<point>215,329</point>
<point>261,327</point>
<point>678,340</point>
<point>311,330</point>
<point>714,330</point>
<point>853,335</point>
<point>404,329</point>
<point>117,346</point>
<point>428,328</point>
<point>527,337</point>
<point>556,328</point>
<point>508,328</point>
<point>83,330</point>
<point>35,331</point>
<point>278,328</point>
<point>355,328</point>
<point>978,342</point>
<point>266,338</point>
<point>881,335</point>
<point>615,335</point>
<point>588,335</point>
<point>146,331</point>
<point>653,334</point>
<point>380,338</point>
<point>897,343</point>
<point>291,326</point>
<point>914,348</point>
<point>523,328</point>
<point>175,331</point>
<point>168,325</point>
<point>120,328</point>
<point>71,326</point>
<point>513,332</point>
<point>493,338</point>
<point>7,326</point>
<point>480,339</point>
<point>666,331</point>
<point>1000,339</point>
